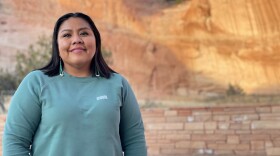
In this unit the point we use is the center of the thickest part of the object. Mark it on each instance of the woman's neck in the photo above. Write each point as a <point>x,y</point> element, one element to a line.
<point>78,72</point>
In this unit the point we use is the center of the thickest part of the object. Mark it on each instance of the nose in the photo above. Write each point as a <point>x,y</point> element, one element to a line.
<point>77,40</point>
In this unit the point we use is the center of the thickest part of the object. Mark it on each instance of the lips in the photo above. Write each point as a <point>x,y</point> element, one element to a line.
<point>78,50</point>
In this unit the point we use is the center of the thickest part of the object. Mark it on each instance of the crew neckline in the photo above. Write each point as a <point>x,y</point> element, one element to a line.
<point>75,78</point>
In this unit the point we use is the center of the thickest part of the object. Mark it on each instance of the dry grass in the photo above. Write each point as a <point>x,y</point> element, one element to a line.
<point>216,101</point>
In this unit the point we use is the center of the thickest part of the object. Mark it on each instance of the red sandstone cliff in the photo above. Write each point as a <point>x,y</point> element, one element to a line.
<point>185,49</point>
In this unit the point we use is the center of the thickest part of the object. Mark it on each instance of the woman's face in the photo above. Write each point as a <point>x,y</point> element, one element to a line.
<point>76,44</point>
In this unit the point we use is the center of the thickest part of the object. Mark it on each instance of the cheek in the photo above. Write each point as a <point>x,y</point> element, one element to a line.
<point>62,46</point>
<point>92,48</point>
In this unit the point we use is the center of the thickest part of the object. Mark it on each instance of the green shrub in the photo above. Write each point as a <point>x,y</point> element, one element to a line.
<point>234,90</point>
<point>36,56</point>
<point>7,81</point>
<point>174,1</point>
<point>107,55</point>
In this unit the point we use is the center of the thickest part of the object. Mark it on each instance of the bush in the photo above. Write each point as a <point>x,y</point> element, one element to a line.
<point>7,81</point>
<point>36,56</point>
<point>174,1</point>
<point>107,55</point>
<point>234,90</point>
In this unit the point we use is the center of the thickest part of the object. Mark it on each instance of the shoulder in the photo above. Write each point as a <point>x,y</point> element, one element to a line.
<point>123,82</point>
<point>34,74</point>
<point>36,77</point>
<point>119,78</point>
<point>116,76</point>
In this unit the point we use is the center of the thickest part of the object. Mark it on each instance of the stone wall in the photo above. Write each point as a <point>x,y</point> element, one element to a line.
<point>215,131</point>
<point>227,131</point>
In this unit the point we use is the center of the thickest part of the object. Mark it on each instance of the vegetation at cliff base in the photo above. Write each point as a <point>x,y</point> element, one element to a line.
<point>36,56</point>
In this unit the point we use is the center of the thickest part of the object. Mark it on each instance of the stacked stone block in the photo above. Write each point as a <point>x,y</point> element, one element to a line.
<point>224,131</point>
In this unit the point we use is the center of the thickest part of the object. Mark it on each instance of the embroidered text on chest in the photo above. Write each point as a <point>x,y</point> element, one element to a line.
<point>103,97</point>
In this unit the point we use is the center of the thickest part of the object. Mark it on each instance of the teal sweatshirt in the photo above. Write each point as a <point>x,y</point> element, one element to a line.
<point>71,116</point>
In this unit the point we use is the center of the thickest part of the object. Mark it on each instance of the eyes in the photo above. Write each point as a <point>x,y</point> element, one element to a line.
<point>68,35</point>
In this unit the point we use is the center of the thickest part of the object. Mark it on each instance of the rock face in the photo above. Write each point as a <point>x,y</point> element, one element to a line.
<point>167,49</point>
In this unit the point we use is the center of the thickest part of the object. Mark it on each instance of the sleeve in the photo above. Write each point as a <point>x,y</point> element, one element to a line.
<point>23,117</point>
<point>131,124</point>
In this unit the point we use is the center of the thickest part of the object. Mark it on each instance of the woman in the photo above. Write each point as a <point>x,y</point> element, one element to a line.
<point>76,105</point>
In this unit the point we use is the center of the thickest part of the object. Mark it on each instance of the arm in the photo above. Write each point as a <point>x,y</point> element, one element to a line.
<point>23,118</point>
<point>131,125</point>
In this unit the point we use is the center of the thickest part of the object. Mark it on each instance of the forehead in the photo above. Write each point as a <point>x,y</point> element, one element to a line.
<point>74,23</point>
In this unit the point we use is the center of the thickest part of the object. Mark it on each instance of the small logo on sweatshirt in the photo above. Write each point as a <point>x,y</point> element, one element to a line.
<point>103,97</point>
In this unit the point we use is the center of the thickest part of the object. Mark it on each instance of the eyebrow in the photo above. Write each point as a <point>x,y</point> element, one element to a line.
<point>71,29</point>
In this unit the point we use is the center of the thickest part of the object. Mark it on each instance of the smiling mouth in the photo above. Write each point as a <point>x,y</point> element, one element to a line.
<point>78,50</point>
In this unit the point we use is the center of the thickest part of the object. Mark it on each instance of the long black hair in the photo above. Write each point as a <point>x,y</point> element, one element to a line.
<point>98,65</point>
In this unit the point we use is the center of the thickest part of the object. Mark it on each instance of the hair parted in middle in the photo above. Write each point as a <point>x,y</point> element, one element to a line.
<point>98,65</point>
